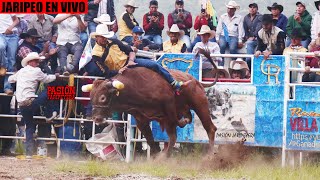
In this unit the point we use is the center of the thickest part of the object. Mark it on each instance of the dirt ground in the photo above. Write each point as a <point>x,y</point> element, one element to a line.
<point>44,169</point>
<point>13,168</point>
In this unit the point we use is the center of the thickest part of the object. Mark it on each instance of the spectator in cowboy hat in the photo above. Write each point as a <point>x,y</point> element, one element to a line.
<point>315,25</point>
<point>295,42</point>
<point>183,19</point>
<point>48,31</point>
<point>31,38</point>
<point>221,72</point>
<point>212,47</point>
<point>279,19</point>
<point>174,44</point>
<point>238,69</point>
<point>105,19</point>
<point>302,20</point>
<point>127,22</point>
<point>295,46</point>
<point>230,32</point>
<point>27,80</point>
<point>270,38</point>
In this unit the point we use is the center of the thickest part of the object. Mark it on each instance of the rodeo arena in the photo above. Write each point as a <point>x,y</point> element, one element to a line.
<point>162,89</point>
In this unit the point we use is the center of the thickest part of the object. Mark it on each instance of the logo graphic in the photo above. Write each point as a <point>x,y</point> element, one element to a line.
<point>269,72</point>
<point>61,92</point>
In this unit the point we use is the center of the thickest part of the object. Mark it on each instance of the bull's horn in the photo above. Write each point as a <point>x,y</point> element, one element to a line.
<point>87,88</point>
<point>117,84</point>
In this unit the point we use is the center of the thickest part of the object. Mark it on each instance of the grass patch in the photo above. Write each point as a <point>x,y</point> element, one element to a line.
<point>256,167</point>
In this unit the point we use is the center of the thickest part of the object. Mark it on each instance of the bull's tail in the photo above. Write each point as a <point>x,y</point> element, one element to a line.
<point>215,68</point>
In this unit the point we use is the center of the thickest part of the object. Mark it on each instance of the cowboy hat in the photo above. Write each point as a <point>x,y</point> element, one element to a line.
<point>239,65</point>
<point>316,3</point>
<point>102,30</point>
<point>276,6</point>
<point>131,3</point>
<point>232,5</point>
<point>205,29</point>
<point>31,56</point>
<point>30,33</point>
<point>296,33</point>
<point>104,19</point>
<point>223,71</point>
<point>175,29</point>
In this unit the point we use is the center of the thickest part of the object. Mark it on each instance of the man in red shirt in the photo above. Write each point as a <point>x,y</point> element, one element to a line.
<point>153,23</point>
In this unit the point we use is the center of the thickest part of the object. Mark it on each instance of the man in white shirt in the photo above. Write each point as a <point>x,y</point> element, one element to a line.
<point>230,30</point>
<point>69,28</point>
<point>27,80</point>
<point>8,47</point>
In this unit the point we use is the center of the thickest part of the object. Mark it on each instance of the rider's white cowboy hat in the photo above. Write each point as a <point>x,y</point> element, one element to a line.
<point>232,5</point>
<point>104,19</point>
<point>131,3</point>
<point>175,29</point>
<point>102,30</point>
<point>205,29</point>
<point>31,56</point>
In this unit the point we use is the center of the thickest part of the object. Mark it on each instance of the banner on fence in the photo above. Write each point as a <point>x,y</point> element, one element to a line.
<point>252,110</point>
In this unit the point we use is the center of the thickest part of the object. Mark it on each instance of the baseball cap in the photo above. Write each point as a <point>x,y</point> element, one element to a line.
<point>253,5</point>
<point>137,29</point>
<point>179,1</point>
<point>302,3</point>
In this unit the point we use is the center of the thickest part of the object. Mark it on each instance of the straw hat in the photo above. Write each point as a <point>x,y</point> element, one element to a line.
<point>104,19</point>
<point>175,29</point>
<point>102,30</point>
<point>232,4</point>
<point>205,29</point>
<point>131,3</point>
<point>31,56</point>
<point>239,65</point>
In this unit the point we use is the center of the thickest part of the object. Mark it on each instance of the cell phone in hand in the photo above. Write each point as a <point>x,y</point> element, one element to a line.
<point>180,10</point>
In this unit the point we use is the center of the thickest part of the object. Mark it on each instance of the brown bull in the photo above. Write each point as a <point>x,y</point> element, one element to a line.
<point>147,96</point>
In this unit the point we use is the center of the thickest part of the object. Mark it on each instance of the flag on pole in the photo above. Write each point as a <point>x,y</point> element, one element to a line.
<point>211,11</point>
<point>86,55</point>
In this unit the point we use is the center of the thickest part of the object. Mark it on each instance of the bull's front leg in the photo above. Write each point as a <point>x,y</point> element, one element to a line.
<point>172,133</point>
<point>144,127</point>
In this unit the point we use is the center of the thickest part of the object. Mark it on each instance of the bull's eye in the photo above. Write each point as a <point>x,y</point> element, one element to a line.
<point>102,98</point>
